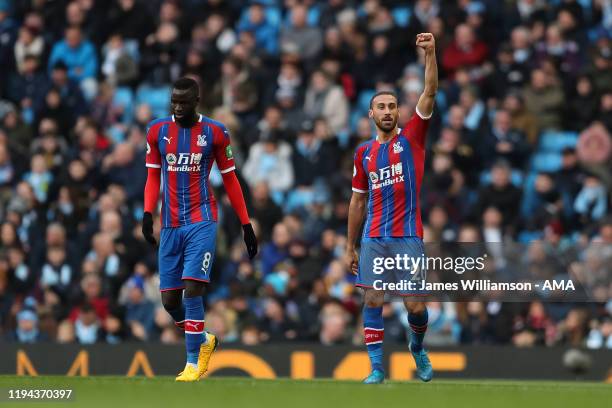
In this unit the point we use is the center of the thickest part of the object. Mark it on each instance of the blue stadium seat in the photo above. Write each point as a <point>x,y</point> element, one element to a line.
<point>354,119</point>
<point>274,16</point>
<point>297,199</point>
<point>116,134</point>
<point>132,48</point>
<point>586,4</point>
<point>363,100</point>
<point>441,101</point>
<point>529,194</point>
<point>361,107</point>
<point>312,18</point>
<point>124,97</point>
<point>158,98</point>
<point>557,141</point>
<point>525,237</point>
<point>344,138</point>
<point>401,15</point>
<point>546,162</point>
<point>516,177</point>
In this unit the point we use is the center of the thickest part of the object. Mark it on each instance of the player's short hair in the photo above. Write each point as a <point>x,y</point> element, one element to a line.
<point>379,93</point>
<point>186,84</point>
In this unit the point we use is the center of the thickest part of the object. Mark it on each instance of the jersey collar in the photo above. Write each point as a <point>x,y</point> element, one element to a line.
<point>199,120</point>
<point>393,138</point>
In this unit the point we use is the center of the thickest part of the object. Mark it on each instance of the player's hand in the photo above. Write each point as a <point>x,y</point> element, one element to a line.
<point>352,260</point>
<point>426,41</point>
<point>147,228</point>
<point>250,240</point>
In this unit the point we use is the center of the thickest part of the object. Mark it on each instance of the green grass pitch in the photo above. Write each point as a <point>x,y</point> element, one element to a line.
<point>224,392</point>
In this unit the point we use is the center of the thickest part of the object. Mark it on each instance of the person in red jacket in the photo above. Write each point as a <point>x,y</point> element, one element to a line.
<point>465,51</point>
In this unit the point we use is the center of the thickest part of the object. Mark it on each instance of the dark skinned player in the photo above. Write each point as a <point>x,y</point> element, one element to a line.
<point>180,152</point>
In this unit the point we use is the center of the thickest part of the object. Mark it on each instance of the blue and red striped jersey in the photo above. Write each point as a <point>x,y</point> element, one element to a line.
<point>392,174</point>
<point>185,157</point>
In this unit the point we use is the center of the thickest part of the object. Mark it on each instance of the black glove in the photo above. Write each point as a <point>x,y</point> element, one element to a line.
<point>250,240</point>
<point>147,228</point>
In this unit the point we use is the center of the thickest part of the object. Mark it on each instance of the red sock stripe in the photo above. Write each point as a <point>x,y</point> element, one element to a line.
<point>372,336</point>
<point>193,326</point>
<point>180,325</point>
<point>418,329</point>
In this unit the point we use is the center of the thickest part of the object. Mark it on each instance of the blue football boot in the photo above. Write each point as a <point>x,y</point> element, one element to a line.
<point>424,370</point>
<point>376,377</point>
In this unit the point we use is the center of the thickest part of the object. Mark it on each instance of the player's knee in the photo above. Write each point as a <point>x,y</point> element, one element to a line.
<point>374,298</point>
<point>374,303</point>
<point>171,302</point>
<point>193,288</point>
<point>415,307</point>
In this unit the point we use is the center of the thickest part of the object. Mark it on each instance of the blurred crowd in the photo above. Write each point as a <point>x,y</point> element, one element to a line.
<point>519,150</point>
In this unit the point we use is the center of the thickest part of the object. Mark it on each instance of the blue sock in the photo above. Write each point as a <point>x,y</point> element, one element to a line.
<point>194,327</point>
<point>418,327</point>
<point>178,314</point>
<point>373,334</point>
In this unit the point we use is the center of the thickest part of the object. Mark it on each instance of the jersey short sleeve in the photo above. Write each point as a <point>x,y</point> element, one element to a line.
<point>222,150</point>
<point>153,157</point>
<point>360,178</point>
<point>416,128</point>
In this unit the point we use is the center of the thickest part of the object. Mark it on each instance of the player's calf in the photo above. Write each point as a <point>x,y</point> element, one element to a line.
<point>194,328</point>
<point>417,319</point>
<point>373,334</point>
<point>172,300</point>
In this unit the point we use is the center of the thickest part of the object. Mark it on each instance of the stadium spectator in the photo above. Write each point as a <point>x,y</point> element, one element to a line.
<point>115,330</point>
<point>308,39</point>
<point>25,87</point>
<point>119,64</point>
<point>7,171</point>
<point>162,55</point>
<point>87,325</point>
<point>544,98</point>
<point>29,44</point>
<point>269,160</point>
<point>69,89</point>
<point>521,118</point>
<point>255,20</point>
<point>500,194</point>
<point>334,320</point>
<point>27,328</point>
<point>265,210</point>
<point>139,311</point>
<point>324,99</point>
<point>504,142</point>
<point>80,57</point>
<point>65,333</point>
<point>465,51</point>
<point>8,30</point>
<point>131,19</point>
<point>91,288</point>
<point>565,52</point>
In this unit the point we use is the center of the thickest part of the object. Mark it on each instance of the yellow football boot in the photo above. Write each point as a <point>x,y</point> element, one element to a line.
<point>189,374</point>
<point>206,351</point>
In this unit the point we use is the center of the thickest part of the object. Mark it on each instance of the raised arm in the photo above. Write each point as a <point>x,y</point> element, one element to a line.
<point>427,42</point>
